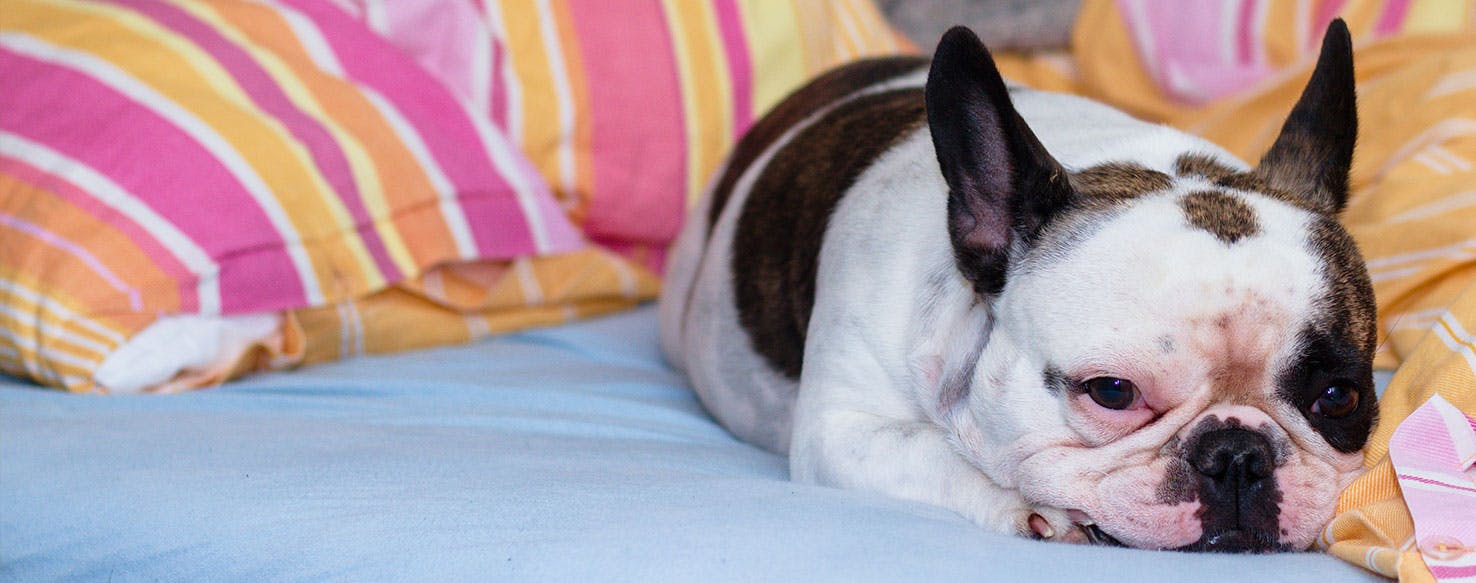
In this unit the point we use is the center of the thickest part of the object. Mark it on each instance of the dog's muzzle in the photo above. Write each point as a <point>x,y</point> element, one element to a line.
<point>1237,491</point>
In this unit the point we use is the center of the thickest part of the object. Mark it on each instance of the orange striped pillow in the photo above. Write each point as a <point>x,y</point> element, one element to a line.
<point>627,108</point>
<point>225,158</point>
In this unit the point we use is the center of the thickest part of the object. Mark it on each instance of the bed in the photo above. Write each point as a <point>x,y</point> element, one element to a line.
<point>564,453</point>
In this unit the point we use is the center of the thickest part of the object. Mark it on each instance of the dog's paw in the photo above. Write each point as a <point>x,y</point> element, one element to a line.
<point>1050,524</point>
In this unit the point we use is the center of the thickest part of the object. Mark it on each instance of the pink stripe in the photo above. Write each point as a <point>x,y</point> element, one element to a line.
<point>1441,572</point>
<point>77,251</point>
<point>327,157</point>
<point>1392,17</point>
<point>156,252</point>
<point>112,148</point>
<point>498,92</point>
<point>1246,32</point>
<point>635,102</point>
<point>1435,482</point>
<point>436,114</point>
<point>1326,11</point>
<point>730,25</point>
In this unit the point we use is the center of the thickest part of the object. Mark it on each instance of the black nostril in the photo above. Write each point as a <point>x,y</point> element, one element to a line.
<point>1226,454</point>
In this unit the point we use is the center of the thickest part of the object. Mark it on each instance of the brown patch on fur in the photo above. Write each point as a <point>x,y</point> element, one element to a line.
<point>1194,164</point>
<point>823,91</point>
<point>777,245</point>
<point>1119,181</point>
<point>1219,174</point>
<point>1350,293</point>
<point>1225,216</point>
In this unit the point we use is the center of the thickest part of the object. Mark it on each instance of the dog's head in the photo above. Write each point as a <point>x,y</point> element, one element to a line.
<point>1180,353</point>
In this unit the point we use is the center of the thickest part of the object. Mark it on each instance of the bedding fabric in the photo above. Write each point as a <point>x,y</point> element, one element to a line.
<point>628,108</point>
<point>569,453</point>
<point>277,182</point>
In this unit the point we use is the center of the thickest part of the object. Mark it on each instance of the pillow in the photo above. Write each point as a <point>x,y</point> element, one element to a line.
<point>231,161</point>
<point>627,108</point>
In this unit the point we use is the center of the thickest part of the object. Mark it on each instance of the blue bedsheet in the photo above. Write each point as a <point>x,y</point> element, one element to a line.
<point>570,453</point>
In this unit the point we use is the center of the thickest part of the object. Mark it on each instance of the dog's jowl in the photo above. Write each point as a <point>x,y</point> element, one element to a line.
<point>1034,310</point>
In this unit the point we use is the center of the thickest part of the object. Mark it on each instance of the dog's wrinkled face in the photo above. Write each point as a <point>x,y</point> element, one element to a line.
<point>1180,355</point>
<point>1211,390</point>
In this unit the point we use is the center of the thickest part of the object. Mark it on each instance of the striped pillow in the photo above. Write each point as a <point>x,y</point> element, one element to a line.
<point>222,157</point>
<point>627,108</point>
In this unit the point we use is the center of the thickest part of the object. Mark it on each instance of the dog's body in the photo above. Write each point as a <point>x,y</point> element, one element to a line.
<point>955,327</point>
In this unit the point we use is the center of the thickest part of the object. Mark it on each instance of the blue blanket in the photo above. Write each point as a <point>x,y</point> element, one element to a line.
<point>569,453</point>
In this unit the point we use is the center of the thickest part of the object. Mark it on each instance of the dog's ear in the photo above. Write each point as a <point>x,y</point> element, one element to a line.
<point>1311,157</point>
<point>1003,185</point>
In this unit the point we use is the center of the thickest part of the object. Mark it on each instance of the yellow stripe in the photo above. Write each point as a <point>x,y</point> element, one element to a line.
<point>774,50</point>
<point>269,152</point>
<point>361,167</point>
<point>706,103</point>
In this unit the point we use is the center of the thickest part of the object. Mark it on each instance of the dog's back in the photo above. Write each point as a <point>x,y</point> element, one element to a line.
<point>741,282</point>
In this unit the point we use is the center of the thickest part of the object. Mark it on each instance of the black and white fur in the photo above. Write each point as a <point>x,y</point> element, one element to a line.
<point>908,271</point>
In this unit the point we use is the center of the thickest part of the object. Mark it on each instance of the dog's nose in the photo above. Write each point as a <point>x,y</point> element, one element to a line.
<point>1233,457</point>
<point>1238,491</point>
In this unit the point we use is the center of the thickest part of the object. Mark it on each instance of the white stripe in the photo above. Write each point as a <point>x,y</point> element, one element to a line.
<point>563,98</point>
<point>493,10</point>
<point>1434,488</point>
<point>1431,163</point>
<point>1439,152</point>
<point>1417,320</point>
<point>1440,132</point>
<point>434,284</point>
<point>1394,274</point>
<point>1436,207</point>
<point>65,245</point>
<point>115,197</point>
<point>1229,26</point>
<point>626,276</point>
<point>1455,325</point>
<point>312,40</point>
<point>46,353</point>
<point>345,330</point>
<point>322,54</point>
<point>481,70</point>
<point>1303,24</point>
<point>446,192</point>
<point>375,17</point>
<point>1422,255</point>
<point>66,380</point>
<point>528,281</point>
<point>49,329</point>
<point>353,310</point>
<point>349,7</point>
<point>476,327</point>
<point>1258,25</point>
<point>1461,437</point>
<point>1452,83</point>
<point>848,25</point>
<point>503,160</point>
<point>1455,345</point>
<point>46,304</point>
<point>202,133</point>
<point>1144,36</point>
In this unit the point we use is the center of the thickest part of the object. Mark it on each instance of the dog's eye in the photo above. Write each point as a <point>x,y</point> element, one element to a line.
<point>1336,401</point>
<point>1112,393</point>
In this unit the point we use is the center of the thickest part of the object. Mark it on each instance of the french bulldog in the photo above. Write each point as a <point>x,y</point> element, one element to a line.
<point>917,279</point>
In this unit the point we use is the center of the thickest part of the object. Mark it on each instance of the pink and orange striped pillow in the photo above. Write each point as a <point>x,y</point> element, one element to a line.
<point>225,157</point>
<point>192,189</point>
<point>627,108</point>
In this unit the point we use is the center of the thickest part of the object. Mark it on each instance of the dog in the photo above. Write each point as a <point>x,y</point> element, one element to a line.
<point>1037,311</point>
